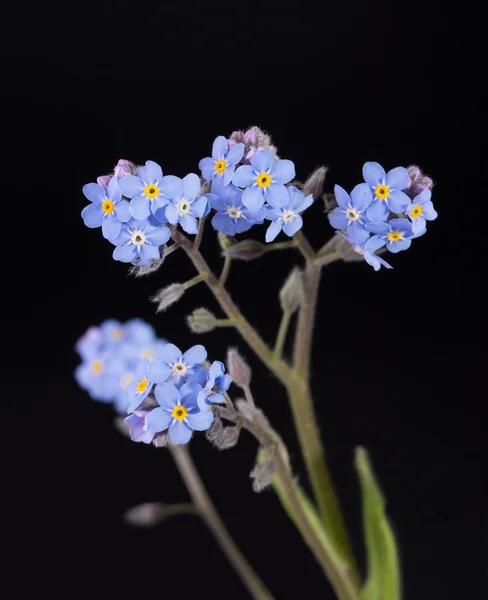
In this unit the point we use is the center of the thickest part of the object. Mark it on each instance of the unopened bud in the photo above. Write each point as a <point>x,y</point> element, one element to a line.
<point>238,368</point>
<point>227,437</point>
<point>142,271</point>
<point>315,182</point>
<point>291,294</point>
<point>161,440</point>
<point>201,320</point>
<point>168,296</point>
<point>225,241</point>
<point>418,181</point>
<point>148,514</point>
<point>214,429</point>
<point>262,474</point>
<point>330,202</point>
<point>246,250</point>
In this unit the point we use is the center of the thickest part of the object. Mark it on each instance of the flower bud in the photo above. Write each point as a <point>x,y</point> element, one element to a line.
<point>246,250</point>
<point>262,474</point>
<point>148,514</point>
<point>418,182</point>
<point>238,368</point>
<point>227,437</point>
<point>161,439</point>
<point>214,429</point>
<point>291,294</point>
<point>104,180</point>
<point>168,296</point>
<point>225,241</point>
<point>315,182</point>
<point>143,271</point>
<point>123,168</point>
<point>201,320</point>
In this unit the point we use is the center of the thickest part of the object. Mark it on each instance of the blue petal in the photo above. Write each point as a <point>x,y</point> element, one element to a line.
<point>166,394</point>
<point>189,223</point>
<point>202,403</point>
<point>399,246</point>
<point>305,203</point>
<point>220,148</point>
<point>139,208</point>
<point>217,201</point>
<point>158,420</point>
<point>283,171</point>
<point>153,170</point>
<point>228,174</point>
<point>159,236</point>
<point>342,197</point>
<point>278,196</point>
<point>377,211</point>
<point>94,192</point>
<point>179,433</point>
<point>428,211</point>
<point>361,197</point>
<point>170,354</point>
<point>222,222</point>
<point>419,226</point>
<point>206,166</point>
<point>92,215</point>
<point>217,369</point>
<point>172,214</point>
<point>373,173</point>
<point>270,213</point>
<point>217,398</point>
<point>159,371</point>
<point>292,227</point>
<point>197,376</point>
<point>121,211</point>
<point>424,196</point>
<point>398,201</point>
<point>374,243</point>
<point>223,382</point>
<point>147,253</point>
<point>400,225</point>
<point>125,253</point>
<point>273,230</point>
<point>113,190</point>
<point>195,355</point>
<point>131,186</point>
<point>191,186</point>
<point>263,160</point>
<point>244,176</point>
<point>110,227</point>
<point>378,228</point>
<point>132,420</point>
<point>235,154</point>
<point>172,187</point>
<point>358,234</point>
<point>200,421</point>
<point>243,225</point>
<point>338,219</point>
<point>256,217</point>
<point>397,179</point>
<point>199,207</point>
<point>253,198</point>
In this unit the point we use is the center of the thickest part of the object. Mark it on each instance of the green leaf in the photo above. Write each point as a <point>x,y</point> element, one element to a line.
<point>383,580</point>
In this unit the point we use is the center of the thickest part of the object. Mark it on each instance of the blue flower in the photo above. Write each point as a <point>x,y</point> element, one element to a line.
<point>232,216</point>
<point>217,382</point>
<point>146,190</point>
<point>351,212</point>
<point>100,376</point>
<point>421,210</point>
<point>107,210</point>
<point>139,242</point>
<point>221,167</point>
<point>395,234</point>
<point>172,363</point>
<point>387,189</point>
<point>261,177</point>
<point>90,343</point>
<point>284,206</point>
<point>138,431</point>
<point>140,388</point>
<point>184,205</point>
<point>368,249</point>
<point>178,411</point>
<point>121,399</point>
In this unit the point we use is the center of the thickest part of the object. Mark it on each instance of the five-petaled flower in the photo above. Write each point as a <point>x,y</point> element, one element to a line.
<point>262,176</point>
<point>139,242</point>
<point>178,412</point>
<point>351,212</point>
<point>284,207</point>
<point>138,427</point>
<point>396,234</point>
<point>232,216</point>
<point>185,205</point>
<point>217,382</point>
<point>172,363</point>
<point>139,389</point>
<point>221,166</point>
<point>420,211</point>
<point>367,250</point>
<point>387,190</point>
<point>146,190</point>
<point>107,210</point>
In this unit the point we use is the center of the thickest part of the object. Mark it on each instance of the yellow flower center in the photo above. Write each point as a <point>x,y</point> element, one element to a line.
<point>395,236</point>
<point>97,367</point>
<point>108,206</point>
<point>416,212</point>
<point>382,192</point>
<point>179,368</point>
<point>116,334</point>
<point>142,385</point>
<point>126,380</point>
<point>220,166</point>
<point>179,413</point>
<point>263,180</point>
<point>151,190</point>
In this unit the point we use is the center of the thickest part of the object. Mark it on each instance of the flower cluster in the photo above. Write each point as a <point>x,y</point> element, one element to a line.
<point>389,209</point>
<point>110,355</point>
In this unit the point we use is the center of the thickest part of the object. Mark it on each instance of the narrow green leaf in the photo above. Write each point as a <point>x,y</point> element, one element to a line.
<point>383,580</point>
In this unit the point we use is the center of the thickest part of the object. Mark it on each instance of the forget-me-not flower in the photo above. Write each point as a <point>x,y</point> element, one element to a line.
<point>146,190</point>
<point>139,242</point>
<point>232,216</point>
<point>107,210</point>
<point>217,382</point>
<point>387,190</point>
<point>284,207</point>
<point>396,234</point>
<point>351,212</point>
<point>421,210</point>
<point>221,166</point>
<point>172,363</point>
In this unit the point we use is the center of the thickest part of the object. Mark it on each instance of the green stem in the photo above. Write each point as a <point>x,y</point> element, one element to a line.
<point>280,246</point>
<point>191,282</point>
<point>207,510</point>
<point>225,271</point>
<point>224,323</point>
<point>281,337</point>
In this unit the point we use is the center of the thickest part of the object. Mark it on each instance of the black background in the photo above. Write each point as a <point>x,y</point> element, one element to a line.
<point>396,353</point>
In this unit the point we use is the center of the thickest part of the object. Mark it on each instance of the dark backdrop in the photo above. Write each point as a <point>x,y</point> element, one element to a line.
<point>395,364</point>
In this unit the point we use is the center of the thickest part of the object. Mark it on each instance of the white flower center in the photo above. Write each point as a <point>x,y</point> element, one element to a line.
<point>137,238</point>
<point>288,215</point>
<point>352,214</point>
<point>183,206</point>
<point>179,368</point>
<point>234,212</point>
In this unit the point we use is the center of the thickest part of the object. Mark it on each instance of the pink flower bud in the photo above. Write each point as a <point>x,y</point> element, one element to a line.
<point>103,180</point>
<point>123,168</point>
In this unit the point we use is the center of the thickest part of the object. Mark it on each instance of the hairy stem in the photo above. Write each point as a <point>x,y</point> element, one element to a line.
<point>207,510</point>
<point>281,337</point>
<point>225,270</point>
